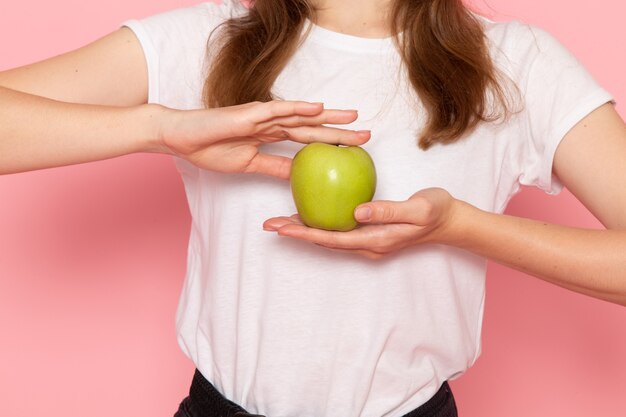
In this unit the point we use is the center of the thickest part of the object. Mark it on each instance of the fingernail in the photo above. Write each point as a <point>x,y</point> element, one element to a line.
<point>363,214</point>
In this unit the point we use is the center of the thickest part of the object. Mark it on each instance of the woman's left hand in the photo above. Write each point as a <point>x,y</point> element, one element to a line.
<point>386,226</point>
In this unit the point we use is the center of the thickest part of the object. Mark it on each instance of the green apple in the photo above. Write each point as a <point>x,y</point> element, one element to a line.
<point>328,182</point>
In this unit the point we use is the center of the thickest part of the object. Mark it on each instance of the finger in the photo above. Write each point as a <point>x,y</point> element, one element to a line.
<point>275,223</point>
<point>355,239</point>
<point>325,117</point>
<point>361,252</point>
<point>282,108</point>
<point>412,211</point>
<point>272,165</point>
<point>325,134</point>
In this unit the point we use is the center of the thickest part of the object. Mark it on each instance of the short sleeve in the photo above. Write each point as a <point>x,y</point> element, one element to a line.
<point>557,92</point>
<point>175,47</point>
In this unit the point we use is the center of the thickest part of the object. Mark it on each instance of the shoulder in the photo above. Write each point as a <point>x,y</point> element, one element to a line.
<point>514,33</point>
<point>175,48</point>
<point>525,51</point>
<point>521,42</point>
<point>183,23</point>
<point>209,12</point>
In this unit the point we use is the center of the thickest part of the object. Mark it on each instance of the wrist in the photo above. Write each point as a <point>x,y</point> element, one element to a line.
<point>155,119</point>
<point>453,231</point>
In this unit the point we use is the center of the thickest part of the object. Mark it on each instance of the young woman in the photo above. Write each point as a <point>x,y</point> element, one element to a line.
<point>457,112</point>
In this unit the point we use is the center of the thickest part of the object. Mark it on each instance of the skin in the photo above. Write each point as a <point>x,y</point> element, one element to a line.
<point>363,18</point>
<point>86,121</point>
<point>52,113</point>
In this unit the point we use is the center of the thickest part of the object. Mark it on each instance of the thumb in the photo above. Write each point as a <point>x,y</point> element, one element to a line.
<point>382,211</point>
<point>414,211</point>
<point>272,165</point>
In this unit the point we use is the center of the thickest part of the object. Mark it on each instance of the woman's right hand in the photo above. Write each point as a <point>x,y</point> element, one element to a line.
<point>228,139</point>
<point>90,104</point>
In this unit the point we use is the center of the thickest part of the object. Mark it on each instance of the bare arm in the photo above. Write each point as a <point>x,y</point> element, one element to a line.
<point>110,71</point>
<point>37,132</point>
<point>591,162</point>
<point>90,104</point>
<point>81,106</point>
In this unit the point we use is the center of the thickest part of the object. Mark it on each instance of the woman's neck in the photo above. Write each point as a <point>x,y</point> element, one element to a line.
<point>363,18</point>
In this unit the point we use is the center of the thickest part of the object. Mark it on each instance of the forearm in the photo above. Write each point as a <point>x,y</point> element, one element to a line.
<point>36,132</point>
<point>591,262</point>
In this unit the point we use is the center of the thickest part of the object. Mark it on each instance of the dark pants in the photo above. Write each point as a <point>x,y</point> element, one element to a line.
<point>205,401</point>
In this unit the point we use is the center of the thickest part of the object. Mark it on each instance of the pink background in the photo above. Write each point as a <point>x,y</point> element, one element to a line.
<point>92,259</point>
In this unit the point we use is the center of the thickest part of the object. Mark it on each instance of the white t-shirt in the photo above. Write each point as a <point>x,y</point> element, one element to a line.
<point>289,329</point>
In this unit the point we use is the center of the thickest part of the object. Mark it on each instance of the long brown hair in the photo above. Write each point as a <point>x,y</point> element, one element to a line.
<point>442,45</point>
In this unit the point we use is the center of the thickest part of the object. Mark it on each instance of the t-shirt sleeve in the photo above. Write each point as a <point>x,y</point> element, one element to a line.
<point>557,92</point>
<point>175,47</point>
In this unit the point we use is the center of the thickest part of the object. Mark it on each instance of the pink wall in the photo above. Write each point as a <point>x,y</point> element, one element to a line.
<point>92,259</point>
